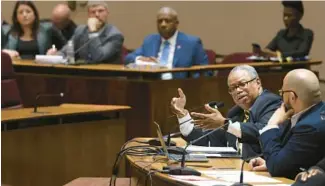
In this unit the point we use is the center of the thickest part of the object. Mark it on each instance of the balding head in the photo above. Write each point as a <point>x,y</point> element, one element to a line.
<point>61,15</point>
<point>306,86</point>
<point>167,22</point>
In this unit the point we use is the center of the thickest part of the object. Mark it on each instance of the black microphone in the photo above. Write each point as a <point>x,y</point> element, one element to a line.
<point>241,180</point>
<point>182,170</point>
<point>45,95</point>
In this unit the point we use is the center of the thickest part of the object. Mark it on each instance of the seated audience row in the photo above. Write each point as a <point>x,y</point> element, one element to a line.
<point>100,42</point>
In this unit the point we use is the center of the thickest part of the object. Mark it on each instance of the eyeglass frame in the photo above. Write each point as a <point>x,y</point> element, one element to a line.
<point>281,92</point>
<point>241,85</point>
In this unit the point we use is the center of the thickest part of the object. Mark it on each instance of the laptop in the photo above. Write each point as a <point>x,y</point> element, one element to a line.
<point>178,157</point>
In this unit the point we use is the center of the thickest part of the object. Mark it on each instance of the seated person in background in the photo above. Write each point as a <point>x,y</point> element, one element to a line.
<point>170,47</point>
<point>26,37</point>
<point>315,176</point>
<point>98,41</point>
<point>61,24</point>
<point>254,106</point>
<point>294,136</point>
<point>295,41</point>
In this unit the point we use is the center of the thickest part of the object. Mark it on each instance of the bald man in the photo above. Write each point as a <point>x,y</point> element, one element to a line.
<point>170,48</point>
<point>61,19</point>
<point>294,137</point>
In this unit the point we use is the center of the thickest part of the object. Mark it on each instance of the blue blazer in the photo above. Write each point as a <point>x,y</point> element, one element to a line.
<point>287,149</point>
<point>188,52</point>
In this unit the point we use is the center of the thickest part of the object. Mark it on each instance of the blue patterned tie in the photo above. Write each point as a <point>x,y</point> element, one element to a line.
<point>165,53</point>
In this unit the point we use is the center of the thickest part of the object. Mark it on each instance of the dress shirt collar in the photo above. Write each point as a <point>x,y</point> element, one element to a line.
<point>171,40</point>
<point>296,117</point>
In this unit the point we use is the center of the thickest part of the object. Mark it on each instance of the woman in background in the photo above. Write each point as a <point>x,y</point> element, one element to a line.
<point>26,37</point>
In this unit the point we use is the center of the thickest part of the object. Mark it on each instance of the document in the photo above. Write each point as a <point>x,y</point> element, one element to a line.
<point>211,150</point>
<point>200,181</point>
<point>230,176</point>
<point>46,59</point>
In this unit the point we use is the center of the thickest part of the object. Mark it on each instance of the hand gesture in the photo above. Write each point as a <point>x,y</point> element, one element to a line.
<point>178,104</point>
<point>211,120</point>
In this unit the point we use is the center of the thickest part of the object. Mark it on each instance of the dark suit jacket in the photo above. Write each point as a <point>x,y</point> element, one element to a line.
<point>260,113</point>
<point>188,52</point>
<point>106,48</point>
<point>287,149</point>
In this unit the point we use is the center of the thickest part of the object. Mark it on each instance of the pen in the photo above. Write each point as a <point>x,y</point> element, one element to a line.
<point>303,169</point>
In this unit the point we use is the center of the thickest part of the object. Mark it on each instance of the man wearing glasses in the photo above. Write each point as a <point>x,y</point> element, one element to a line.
<point>254,107</point>
<point>294,138</point>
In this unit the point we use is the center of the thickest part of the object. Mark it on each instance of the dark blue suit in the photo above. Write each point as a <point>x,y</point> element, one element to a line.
<point>188,52</point>
<point>288,149</point>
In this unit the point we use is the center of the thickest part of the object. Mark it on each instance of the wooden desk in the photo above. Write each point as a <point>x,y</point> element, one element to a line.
<point>149,98</point>
<point>141,165</point>
<point>69,141</point>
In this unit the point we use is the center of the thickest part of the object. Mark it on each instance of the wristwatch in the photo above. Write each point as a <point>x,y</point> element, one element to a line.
<point>226,124</point>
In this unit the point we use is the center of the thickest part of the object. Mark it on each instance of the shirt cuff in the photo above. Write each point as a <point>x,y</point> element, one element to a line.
<point>186,126</point>
<point>234,128</point>
<point>268,127</point>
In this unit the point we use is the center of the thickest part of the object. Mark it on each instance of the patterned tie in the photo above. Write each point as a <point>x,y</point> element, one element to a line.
<point>165,53</point>
<point>246,116</point>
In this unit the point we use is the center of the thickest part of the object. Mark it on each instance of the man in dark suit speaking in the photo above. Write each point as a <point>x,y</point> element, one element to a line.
<point>294,139</point>
<point>170,48</point>
<point>252,101</point>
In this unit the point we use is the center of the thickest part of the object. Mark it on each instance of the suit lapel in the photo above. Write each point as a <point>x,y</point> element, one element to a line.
<point>287,131</point>
<point>156,46</point>
<point>178,47</point>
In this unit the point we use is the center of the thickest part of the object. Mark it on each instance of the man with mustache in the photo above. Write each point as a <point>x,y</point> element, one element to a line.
<point>170,48</point>
<point>254,107</point>
<point>97,41</point>
<point>294,137</point>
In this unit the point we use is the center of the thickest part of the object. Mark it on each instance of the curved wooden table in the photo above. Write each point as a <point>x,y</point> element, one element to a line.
<point>141,165</point>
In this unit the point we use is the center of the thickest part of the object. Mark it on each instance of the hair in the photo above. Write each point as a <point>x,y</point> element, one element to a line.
<point>96,3</point>
<point>251,70</point>
<point>295,5</point>
<point>16,27</point>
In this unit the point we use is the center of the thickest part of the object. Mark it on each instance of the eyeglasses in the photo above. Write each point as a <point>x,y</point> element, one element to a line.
<point>240,85</point>
<point>281,92</point>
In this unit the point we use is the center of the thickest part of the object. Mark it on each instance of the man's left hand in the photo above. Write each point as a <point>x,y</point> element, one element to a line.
<point>211,120</point>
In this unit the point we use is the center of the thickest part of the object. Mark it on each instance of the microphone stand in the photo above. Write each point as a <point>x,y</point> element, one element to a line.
<point>182,170</point>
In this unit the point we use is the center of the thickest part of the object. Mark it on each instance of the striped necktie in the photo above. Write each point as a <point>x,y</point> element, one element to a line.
<point>165,53</point>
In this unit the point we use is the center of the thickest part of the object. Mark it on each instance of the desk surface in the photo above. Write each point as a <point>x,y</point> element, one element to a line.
<point>61,110</point>
<point>122,68</point>
<point>145,163</point>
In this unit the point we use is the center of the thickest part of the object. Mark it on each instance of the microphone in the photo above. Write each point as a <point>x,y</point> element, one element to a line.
<point>45,95</point>
<point>241,180</point>
<point>182,170</point>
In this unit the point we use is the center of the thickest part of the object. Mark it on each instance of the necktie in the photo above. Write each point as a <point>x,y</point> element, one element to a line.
<point>246,116</point>
<point>165,53</point>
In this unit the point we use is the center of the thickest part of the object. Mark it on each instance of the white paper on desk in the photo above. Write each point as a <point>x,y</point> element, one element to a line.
<point>213,150</point>
<point>275,185</point>
<point>48,59</point>
<point>249,177</point>
<point>200,181</point>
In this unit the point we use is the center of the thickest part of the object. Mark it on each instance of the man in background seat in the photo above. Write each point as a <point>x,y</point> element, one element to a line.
<point>170,48</point>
